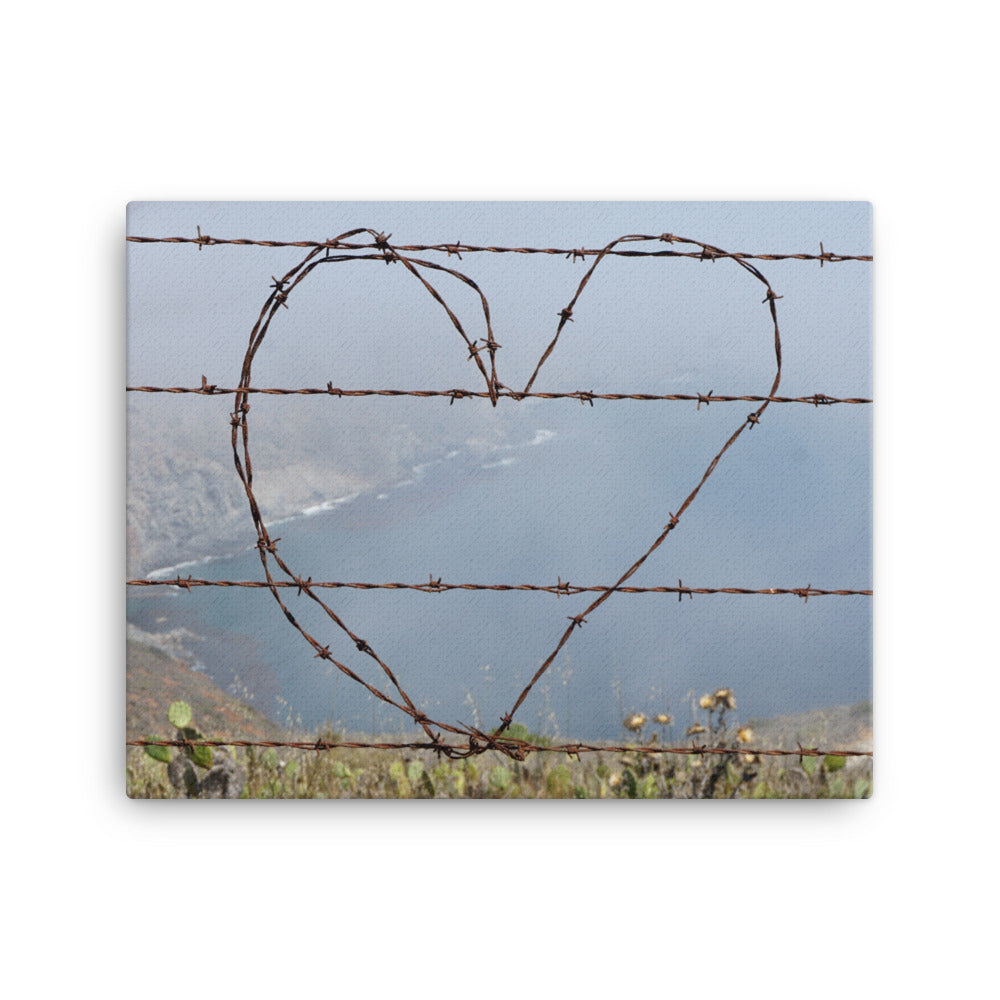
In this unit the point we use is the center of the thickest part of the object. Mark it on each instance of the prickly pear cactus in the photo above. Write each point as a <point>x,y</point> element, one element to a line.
<point>198,772</point>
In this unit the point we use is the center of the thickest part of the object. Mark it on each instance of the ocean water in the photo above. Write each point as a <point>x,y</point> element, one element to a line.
<point>577,494</point>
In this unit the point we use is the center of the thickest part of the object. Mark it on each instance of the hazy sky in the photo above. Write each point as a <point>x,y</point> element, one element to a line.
<point>789,505</point>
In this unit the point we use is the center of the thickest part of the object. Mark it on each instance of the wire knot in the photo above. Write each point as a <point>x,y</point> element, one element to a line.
<point>280,295</point>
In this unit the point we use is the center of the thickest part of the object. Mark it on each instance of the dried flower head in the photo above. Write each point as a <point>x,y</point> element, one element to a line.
<point>724,698</point>
<point>664,720</point>
<point>745,735</point>
<point>706,701</point>
<point>695,729</point>
<point>634,722</point>
<point>748,758</point>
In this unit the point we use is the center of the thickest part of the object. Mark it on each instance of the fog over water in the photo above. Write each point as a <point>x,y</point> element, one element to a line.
<point>536,491</point>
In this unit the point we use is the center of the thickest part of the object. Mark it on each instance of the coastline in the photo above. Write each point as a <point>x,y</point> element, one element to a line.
<point>217,529</point>
<point>224,551</point>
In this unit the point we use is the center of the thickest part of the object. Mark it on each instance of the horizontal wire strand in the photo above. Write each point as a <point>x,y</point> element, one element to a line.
<point>457,248</point>
<point>206,389</point>
<point>436,587</point>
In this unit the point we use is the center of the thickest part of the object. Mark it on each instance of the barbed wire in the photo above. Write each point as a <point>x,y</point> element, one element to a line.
<point>433,586</point>
<point>208,389</point>
<point>458,248</point>
<point>281,577</point>
<point>515,749</point>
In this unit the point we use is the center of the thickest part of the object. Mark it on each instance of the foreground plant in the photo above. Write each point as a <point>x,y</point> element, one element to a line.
<point>716,775</point>
<point>198,772</point>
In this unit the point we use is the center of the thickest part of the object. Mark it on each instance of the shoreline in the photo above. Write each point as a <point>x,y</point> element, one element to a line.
<point>228,551</point>
<point>375,490</point>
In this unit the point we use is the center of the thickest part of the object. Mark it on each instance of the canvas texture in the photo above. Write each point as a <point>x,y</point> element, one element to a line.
<point>499,500</point>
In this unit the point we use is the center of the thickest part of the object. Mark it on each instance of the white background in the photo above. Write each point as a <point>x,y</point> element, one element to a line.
<point>111,102</point>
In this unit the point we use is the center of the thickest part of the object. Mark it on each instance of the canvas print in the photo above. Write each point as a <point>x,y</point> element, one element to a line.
<point>499,500</point>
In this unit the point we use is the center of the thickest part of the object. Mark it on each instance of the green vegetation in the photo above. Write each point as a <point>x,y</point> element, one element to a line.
<point>284,773</point>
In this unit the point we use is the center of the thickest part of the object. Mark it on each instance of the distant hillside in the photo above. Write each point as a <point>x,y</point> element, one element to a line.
<point>840,727</point>
<point>184,499</point>
<point>154,679</point>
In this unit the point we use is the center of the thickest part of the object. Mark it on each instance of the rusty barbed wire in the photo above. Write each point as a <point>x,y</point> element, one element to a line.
<point>458,248</point>
<point>437,587</point>
<point>513,748</point>
<point>379,249</point>
<point>207,389</point>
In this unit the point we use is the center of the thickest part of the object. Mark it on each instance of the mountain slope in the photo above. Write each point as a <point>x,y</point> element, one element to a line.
<point>154,679</point>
